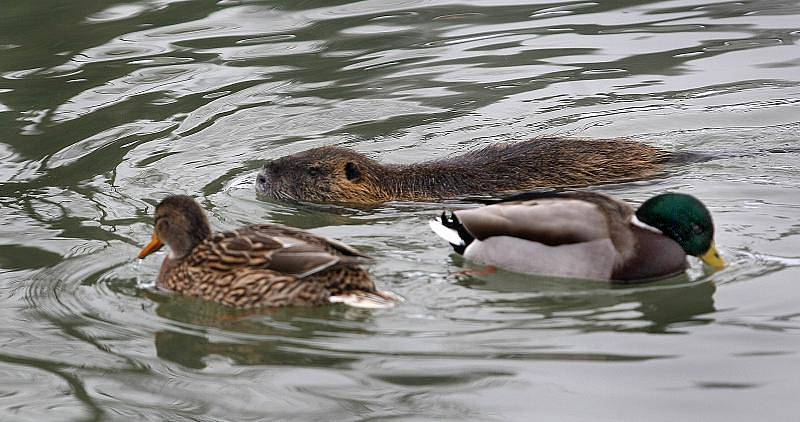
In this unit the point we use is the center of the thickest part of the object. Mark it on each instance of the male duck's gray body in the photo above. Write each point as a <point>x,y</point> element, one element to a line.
<point>576,235</point>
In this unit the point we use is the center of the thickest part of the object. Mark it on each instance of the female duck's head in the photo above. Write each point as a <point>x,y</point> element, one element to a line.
<point>684,219</point>
<point>180,223</point>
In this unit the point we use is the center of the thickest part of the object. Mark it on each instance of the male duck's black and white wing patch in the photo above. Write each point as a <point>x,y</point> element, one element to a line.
<point>451,230</point>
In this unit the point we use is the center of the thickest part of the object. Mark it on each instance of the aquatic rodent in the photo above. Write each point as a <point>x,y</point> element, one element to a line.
<point>337,174</point>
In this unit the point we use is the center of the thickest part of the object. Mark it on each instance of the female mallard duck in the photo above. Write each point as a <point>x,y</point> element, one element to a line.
<point>262,265</point>
<point>585,235</point>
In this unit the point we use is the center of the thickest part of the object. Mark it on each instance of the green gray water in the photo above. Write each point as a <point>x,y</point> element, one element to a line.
<point>105,107</point>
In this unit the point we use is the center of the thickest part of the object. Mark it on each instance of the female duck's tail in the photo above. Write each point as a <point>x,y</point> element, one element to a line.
<point>369,300</point>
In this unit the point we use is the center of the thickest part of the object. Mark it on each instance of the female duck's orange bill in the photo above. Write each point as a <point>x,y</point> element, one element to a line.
<point>154,245</point>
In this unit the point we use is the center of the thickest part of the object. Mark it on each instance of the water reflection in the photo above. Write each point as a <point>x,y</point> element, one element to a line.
<point>279,336</point>
<point>191,350</point>
<point>667,306</point>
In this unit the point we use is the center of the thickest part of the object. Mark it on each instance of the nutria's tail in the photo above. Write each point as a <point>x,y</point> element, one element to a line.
<point>691,157</point>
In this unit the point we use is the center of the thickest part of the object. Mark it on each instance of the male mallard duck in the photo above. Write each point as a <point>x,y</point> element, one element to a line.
<point>585,235</point>
<point>262,265</point>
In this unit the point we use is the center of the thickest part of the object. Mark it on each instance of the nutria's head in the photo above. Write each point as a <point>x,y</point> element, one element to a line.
<point>326,174</point>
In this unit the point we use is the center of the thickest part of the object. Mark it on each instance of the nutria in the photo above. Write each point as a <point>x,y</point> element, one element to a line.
<point>337,174</point>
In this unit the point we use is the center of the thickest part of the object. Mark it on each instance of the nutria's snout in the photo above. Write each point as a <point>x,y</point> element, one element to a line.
<point>265,177</point>
<point>261,180</point>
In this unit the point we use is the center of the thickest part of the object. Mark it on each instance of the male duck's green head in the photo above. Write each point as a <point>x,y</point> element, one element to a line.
<point>685,220</point>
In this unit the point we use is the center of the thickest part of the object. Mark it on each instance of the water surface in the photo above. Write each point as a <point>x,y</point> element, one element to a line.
<point>105,107</point>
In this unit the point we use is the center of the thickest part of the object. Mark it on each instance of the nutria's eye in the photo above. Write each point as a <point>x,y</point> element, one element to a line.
<point>352,172</point>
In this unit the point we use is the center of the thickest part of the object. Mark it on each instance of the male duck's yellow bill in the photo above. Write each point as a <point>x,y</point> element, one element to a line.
<point>712,258</point>
<point>154,245</point>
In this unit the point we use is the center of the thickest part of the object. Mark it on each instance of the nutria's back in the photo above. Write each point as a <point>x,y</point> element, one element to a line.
<point>336,174</point>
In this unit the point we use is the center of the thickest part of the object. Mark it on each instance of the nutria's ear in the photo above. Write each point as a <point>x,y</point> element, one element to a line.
<point>352,172</point>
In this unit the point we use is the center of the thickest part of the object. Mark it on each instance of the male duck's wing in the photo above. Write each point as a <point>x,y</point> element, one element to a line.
<point>551,221</point>
<point>609,204</point>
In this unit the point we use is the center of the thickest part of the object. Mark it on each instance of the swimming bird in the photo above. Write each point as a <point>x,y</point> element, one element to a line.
<point>584,235</point>
<point>266,265</point>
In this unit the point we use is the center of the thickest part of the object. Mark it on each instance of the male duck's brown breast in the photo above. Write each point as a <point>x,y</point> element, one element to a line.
<point>656,256</point>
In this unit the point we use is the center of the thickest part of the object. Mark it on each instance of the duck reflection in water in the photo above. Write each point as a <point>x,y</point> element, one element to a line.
<point>273,336</point>
<point>660,307</point>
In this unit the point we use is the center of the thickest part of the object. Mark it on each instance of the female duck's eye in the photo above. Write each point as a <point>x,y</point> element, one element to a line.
<point>314,171</point>
<point>162,224</point>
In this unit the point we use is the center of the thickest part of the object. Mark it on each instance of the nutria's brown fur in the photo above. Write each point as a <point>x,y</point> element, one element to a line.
<point>336,174</point>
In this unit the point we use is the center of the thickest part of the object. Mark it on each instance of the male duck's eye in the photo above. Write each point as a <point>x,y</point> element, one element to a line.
<point>696,229</point>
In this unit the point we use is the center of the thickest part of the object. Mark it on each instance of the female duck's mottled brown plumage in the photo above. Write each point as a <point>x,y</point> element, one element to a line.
<point>262,265</point>
<point>336,174</point>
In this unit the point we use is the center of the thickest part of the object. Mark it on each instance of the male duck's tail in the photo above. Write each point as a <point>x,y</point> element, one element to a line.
<point>452,231</point>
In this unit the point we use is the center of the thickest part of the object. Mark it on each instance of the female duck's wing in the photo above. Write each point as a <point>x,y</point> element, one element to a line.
<point>258,249</point>
<point>332,245</point>
<point>550,221</point>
